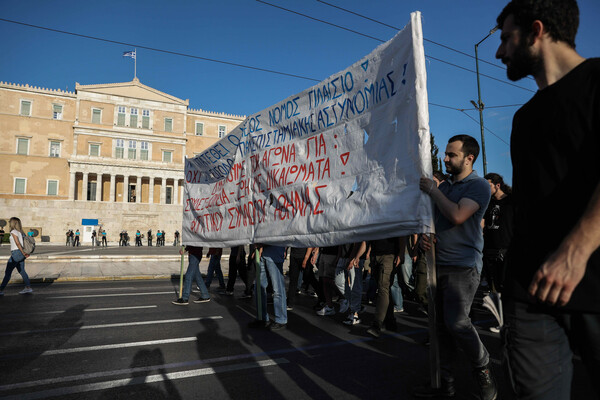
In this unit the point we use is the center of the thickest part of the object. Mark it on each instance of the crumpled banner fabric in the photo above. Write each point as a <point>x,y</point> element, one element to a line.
<point>338,163</point>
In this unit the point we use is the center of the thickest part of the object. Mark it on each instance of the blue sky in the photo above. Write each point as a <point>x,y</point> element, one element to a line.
<point>255,34</point>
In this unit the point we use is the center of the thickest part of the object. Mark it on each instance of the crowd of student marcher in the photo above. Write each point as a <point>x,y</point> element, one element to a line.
<point>99,238</point>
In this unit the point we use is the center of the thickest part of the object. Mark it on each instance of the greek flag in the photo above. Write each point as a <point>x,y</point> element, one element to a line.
<point>129,54</point>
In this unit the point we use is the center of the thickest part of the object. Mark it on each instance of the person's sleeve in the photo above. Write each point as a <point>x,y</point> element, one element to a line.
<point>480,193</point>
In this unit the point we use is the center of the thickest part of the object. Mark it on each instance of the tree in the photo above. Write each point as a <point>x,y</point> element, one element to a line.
<point>436,162</point>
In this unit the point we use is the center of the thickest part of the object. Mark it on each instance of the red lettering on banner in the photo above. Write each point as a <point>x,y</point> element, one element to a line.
<point>211,222</point>
<point>193,176</point>
<point>316,210</point>
<point>317,145</point>
<point>250,213</point>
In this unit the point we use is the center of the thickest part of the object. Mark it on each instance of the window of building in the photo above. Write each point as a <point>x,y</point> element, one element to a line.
<point>57,111</point>
<point>96,116</point>
<point>168,124</point>
<point>133,118</point>
<point>119,149</point>
<point>169,195</point>
<point>91,191</point>
<point>23,146</point>
<point>132,150</point>
<point>54,148</point>
<point>52,187</point>
<point>20,185</point>
<point>222,130</point>
<point>167,156</point>
<point>146,119</point>
<point>26,108</point>
<point>144,151</point>
<point>121,116</point>
<point>199,128</point>
<point>95,149</point>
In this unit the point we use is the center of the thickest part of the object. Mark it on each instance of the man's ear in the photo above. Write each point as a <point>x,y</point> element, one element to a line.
<point>471,157</point>
<point>537,31</point>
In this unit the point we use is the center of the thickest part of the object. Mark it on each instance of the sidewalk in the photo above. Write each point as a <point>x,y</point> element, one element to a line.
<point>56,263</point>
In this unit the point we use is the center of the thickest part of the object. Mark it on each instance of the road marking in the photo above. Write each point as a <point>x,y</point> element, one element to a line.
<point>147,379</point>
<point>162,321</point>
<point>86,296</point>
<point>100,347</point>
<point>86,310</point>
<point>246,311</point>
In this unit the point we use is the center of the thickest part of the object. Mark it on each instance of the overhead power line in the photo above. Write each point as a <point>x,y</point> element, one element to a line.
<point>486,128</point>
<point>199,58</point>
<point>398,28</point>
<point>162,50</point>
<point>381,40</point>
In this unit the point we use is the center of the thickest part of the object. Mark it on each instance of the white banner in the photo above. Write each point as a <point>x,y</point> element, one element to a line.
<point>338,163</point>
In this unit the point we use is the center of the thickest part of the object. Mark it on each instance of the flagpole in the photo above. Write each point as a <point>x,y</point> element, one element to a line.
<point>135,64</point>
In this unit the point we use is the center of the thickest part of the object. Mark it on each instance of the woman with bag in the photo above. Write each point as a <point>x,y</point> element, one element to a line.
<point>17,257</point>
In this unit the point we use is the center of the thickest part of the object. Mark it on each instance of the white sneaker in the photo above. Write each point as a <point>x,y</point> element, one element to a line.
<point>344,305</point>
<point>326,311</point>
<point>495,329</point>
<point>26,290</point>
<point>352,320</point>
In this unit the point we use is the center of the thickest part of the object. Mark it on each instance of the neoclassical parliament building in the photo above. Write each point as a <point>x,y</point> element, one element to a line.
<point>107,156</point>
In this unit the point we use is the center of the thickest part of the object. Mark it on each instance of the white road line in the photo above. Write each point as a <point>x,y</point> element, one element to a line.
<point>86,310</point>
<point>109,295</point>
<point>118,346</point>
<point>148,379</point>
<point>163,321</point>
<point>253,315</point>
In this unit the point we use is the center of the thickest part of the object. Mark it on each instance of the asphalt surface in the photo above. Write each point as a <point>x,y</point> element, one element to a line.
<point>113,339</point>
<point>105,340</point>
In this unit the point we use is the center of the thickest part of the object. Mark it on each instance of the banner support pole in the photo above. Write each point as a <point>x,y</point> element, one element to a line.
<point>434,351</point>
<point>258,285</point>
<point>181,274</point>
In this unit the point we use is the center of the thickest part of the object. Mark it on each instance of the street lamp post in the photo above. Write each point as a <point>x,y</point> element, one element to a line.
<point>479,105</point>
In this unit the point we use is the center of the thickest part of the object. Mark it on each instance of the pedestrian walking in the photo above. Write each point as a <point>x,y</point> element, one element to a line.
<point>214,267</point>
<point>193,275</point>
<point>17,256</point>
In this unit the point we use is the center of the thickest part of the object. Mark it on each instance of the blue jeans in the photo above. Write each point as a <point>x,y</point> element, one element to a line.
<point>456,287</point>
<point>537,344</point>
<point>341,277</point>
<point>214,266</point>
<point>396,293</point>
<point>278,283</point>
<point>16,260</point>
<point>193,274</point>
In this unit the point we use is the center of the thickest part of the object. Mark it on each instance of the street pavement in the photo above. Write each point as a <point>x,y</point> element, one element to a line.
<point>105,336</point>
<point>124,339</point>
<point>52,262</point>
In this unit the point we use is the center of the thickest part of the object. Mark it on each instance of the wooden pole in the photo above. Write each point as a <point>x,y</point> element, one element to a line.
<point>181,274</point>
<point>257,285</point>
<point>434,349</point>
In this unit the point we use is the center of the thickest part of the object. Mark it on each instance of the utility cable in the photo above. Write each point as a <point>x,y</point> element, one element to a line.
<point>163,51</point>
<point>196,57</point>
<point>397,29</point>
<point>381,40</point>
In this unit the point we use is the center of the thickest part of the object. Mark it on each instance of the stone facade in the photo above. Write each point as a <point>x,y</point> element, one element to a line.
<point>111,152</point>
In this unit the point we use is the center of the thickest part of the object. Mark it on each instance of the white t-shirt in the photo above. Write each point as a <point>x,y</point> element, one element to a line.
<point>13,245</point>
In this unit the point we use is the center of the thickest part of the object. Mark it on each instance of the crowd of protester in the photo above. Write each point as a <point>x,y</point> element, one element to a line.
<point>99,238</point>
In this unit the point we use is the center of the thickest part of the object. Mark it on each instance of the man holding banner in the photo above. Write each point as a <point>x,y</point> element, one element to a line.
<point>460,204</point>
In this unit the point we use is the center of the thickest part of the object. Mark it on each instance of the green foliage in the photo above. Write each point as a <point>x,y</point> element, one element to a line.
<point>436,162</point>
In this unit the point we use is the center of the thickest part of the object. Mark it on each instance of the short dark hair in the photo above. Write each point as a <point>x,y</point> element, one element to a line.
<point>498,179</point>
<point>469,146</point>
<point>560,17</point>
